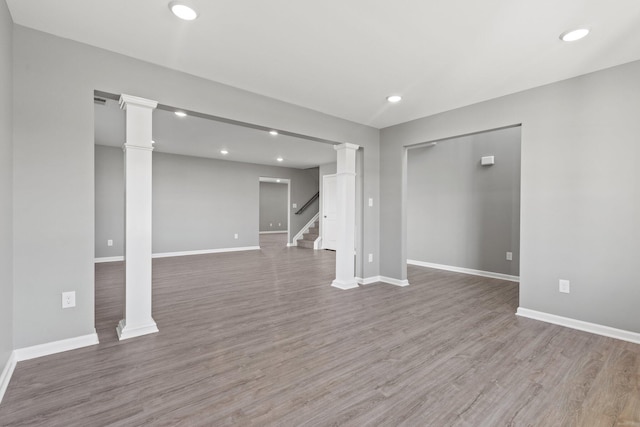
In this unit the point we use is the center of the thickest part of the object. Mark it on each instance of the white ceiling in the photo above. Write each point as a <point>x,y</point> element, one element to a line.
<point>343,57</point>
<point>201,137</point>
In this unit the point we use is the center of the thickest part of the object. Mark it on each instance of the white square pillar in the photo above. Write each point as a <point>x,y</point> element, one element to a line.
<point>345,216</point>
<point>137,159</point>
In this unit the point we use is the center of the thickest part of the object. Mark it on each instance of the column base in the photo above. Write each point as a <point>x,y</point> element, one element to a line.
<point>126,332</point>
<point>350,284</point>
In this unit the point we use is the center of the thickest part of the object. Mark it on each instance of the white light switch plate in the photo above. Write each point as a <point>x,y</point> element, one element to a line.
<point>564,286</point>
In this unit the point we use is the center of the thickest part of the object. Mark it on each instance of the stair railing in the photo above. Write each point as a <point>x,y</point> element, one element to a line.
<point>306,205</point>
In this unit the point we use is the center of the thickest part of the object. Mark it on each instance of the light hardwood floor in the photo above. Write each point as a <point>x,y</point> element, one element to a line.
<point>260,338</point>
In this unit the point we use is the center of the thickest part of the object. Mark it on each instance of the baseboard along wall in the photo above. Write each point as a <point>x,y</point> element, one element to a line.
<point>40,350</point>
<point>28,353</point>
<point>183,253</point>
<point>464,270</point>
<point>5,377</point>
<point>580,325</point>
<point>381,279</point>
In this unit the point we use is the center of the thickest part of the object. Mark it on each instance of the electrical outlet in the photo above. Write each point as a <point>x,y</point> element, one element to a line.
<point>295,205</point>
<point>370,202</point>
<point>279,224</point>
<point>109,242</point>
<point>270,224</point>
<point>68,299</point>
<point>370,257</point>
<point>564,286</point>
<point>509,256</point>
<point>235,236</point>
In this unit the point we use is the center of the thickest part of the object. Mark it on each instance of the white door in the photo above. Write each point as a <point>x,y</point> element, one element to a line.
<point>329,223</point>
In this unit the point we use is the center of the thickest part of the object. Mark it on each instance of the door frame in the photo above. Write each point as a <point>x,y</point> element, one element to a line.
<point>322,196</point>
<point>283,181</point>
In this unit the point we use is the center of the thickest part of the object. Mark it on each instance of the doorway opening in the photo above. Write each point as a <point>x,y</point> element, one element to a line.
<point>274,212</point>
<point>463,204</point>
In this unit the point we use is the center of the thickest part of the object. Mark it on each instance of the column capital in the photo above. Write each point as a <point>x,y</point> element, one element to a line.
<point>346,145</point>
<point>126,100</point>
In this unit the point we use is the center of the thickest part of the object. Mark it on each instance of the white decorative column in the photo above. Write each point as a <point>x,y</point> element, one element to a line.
<point>345,216</point>
<point>137,165</point>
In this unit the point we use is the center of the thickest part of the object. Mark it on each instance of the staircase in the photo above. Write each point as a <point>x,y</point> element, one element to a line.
<point>309,238</point>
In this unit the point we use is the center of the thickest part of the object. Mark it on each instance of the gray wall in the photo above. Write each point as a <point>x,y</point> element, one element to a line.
<point>460,213</point>
<point>198,203</point>
<point>6,184</point>
<point>54,165</point>
<point>273,206</point>
<point>109,201</point>
<point>580,197</point>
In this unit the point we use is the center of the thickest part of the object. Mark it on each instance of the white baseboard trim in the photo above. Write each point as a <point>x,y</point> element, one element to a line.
<point>465,270</point>
<point>381,279</point>
<point>109,259</point>
<point>7,372</point>
<point>273,232</point>
<point>395,282</point>
<point>204,251</point>
<point>184,253</point>
<point>368,280</point>
<point>28,353</point>
<point>344,285</point>
<point>580,325</point>
<point>125,332</point>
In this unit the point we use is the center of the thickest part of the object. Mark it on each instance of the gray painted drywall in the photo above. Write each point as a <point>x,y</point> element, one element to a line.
<point>109,201</point>
<point>580,197</point>
<point>273,206</point>
<point>54,165</point>
<point>460,213</point>
<point>6,185</point>
<point>198,203</point>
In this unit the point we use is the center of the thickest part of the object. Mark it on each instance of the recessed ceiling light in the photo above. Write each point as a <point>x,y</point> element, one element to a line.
<point>225,152</point>
<point>273,132</point>
<point>181,114</point>
<point>277,180</point>
<point>394,98</point>
<point>279,159</point>
<point>183,11</point>
<point>573,35</point>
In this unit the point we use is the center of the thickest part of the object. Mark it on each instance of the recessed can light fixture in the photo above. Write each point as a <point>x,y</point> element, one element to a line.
<point>273,132</point>
<point>182,11</point>
<point>279,159</point>
<point>394,98</point>
<point>574,35</point>
<point>277,180</point>
<point>225,152</point>
<point>181,114</point>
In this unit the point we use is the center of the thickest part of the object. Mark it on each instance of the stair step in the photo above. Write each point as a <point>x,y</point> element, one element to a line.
<point>309,238</point>
<point>305,244</point>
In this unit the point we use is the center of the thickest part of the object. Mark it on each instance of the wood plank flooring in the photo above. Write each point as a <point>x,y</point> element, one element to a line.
<point>260,338</point>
